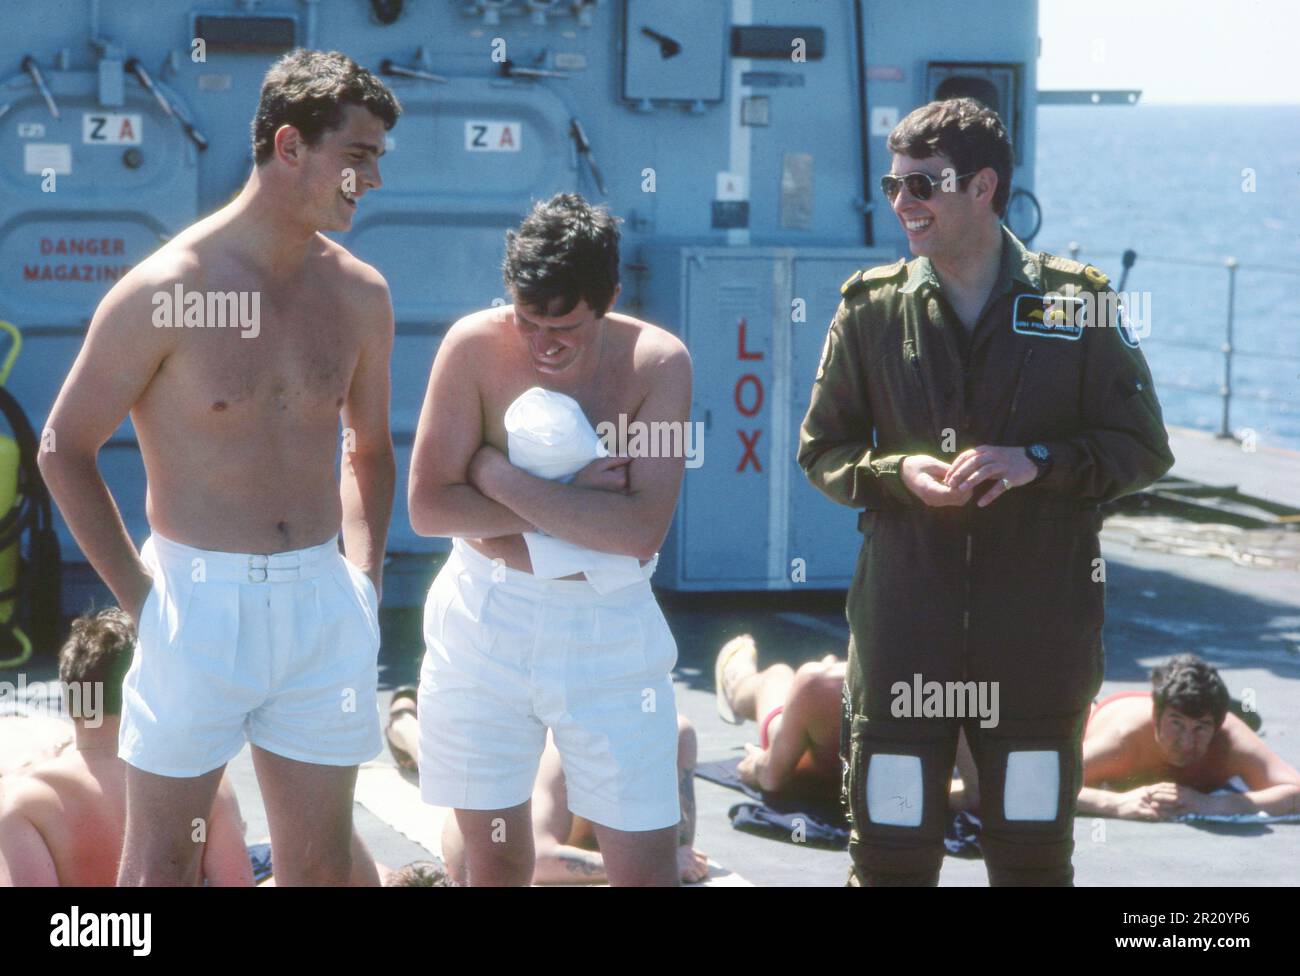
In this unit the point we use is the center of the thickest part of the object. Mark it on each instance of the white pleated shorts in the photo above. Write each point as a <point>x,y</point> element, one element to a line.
<point>509,655</point>
<point>280,651</point>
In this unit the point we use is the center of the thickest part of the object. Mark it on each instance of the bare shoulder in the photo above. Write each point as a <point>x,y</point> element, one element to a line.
<point>16,805</point>
<point>1122,722</point>
<point>354,272</point>
<point>1239,740</point>
<point>1114,751</point>
<point>1235,730</point>
<point>26,796</point>
<point>471,345</point>
<point>1133,718</point>
<point>479,331</point>
<point>178,262</point>
<point>654,348</point>
<point>359,286</point>
<point>1238,751</point>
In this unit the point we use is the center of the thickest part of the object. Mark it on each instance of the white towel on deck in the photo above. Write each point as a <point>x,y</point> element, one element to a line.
<point>550,437</point>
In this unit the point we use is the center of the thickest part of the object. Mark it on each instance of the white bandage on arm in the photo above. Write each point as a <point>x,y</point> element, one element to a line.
<point>550,437</point>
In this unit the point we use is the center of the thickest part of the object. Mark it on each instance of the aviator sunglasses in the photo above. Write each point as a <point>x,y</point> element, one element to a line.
<point>920,185</point>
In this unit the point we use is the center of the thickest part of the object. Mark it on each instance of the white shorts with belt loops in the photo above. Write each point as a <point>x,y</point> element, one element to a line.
<point>509,655</point>
<point>278,650</point>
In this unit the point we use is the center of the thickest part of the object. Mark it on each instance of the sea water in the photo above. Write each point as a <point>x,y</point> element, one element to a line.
<point>1178,185</point>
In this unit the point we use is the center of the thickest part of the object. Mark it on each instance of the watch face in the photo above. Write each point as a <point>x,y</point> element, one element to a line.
<point>1039,451</point>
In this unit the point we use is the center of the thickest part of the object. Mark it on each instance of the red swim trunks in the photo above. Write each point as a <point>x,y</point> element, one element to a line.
<point>767,720</point>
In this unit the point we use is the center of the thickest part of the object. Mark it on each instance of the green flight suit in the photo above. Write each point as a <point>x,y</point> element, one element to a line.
<point>1011,594</point>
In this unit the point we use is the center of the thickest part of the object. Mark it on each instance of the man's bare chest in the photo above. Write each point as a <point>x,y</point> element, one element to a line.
<point>611,396</point>
<point>293,367</point>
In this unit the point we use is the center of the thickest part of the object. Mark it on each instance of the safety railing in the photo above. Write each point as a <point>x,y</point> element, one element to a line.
<point>1132,266</point>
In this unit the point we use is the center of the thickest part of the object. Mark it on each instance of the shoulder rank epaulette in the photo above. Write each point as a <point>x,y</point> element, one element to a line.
<point>862,279</point>
<point>1095,276</point>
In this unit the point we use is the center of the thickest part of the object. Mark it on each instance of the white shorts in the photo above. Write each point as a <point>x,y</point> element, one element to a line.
<point>509,655</point>
<point>280,650</point>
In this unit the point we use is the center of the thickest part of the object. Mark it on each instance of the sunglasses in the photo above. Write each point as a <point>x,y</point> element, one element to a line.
<point>920,185</point>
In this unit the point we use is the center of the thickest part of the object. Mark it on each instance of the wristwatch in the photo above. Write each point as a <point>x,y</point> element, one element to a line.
<point>1042,458</point>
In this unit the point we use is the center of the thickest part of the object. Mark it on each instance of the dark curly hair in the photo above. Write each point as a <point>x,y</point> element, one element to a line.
<point>98,650</point>
<point>967,132</point>
<point>1191,686</point>
<point>564,250</point>
<point>309,90</point>
<point>422,874</point>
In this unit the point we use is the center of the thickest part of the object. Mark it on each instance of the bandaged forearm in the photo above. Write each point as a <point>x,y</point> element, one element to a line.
<point>583,530</point>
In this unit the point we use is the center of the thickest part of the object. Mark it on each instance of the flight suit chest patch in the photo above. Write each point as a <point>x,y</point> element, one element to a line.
<point>1054,316</point>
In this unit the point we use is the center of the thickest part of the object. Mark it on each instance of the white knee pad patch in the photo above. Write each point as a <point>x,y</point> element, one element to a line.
<point>894,790</point>
<point>1033,785</point>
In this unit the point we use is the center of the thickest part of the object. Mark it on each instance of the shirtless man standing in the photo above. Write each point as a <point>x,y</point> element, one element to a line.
<point>251,623</point>
<point>1159,755</point>
<point>510,654</point>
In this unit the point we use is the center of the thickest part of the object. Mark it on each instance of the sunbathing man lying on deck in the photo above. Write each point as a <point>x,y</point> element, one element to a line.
<point>799,714</point>
<point>1158,755</point>
<point>62,818</point>
<point>63,810</point>
<point>565,844</point>
<point>1146,756</point>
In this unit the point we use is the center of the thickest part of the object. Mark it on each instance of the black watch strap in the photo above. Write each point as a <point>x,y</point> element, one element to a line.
<point>1042,459</point>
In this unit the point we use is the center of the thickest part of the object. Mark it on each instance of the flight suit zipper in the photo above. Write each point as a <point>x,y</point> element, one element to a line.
<point>967,364</point>
<point>914,359</point>
<point>965,623</point>
<point>1020,379</point>
<point>1004,432</point>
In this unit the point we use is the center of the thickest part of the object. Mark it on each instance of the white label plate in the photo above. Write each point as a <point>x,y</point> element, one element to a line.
<point>484,135</point>
<point>111,129</point>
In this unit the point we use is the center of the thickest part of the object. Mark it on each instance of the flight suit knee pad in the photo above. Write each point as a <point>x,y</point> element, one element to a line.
<point>1030,772</point>
<point>897,786</point>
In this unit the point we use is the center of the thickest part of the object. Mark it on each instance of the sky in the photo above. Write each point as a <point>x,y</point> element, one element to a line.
<point>1177,51</point>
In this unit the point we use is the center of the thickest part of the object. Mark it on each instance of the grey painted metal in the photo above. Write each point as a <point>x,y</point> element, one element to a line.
<point>701,150</point>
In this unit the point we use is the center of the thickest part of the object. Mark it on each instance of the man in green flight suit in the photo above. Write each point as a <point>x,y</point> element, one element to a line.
<point>977,404</point>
